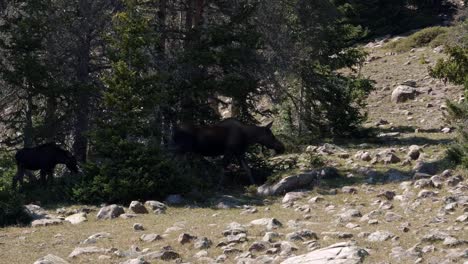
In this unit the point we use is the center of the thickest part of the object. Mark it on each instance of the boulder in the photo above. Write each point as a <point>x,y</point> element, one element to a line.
<point>290,183</point>
<point>46,222</point>
<point>380,236</point>
<point>86,250</point>
<point>110,212</point>
<point>150,237</point>
<point>50,259</point>
<point>155,205</point>
<point>343,253</point>
<point>269,223</point>
<point>293,196</point>
<point>185,238</point>
<point>202,243</point>
<point>403,93</point>
<point>137,207</point>
<point>95,237</point>
<point>414,152</point>
<point>425,167</point>
<point>77,218</point>
<point>35,212</point>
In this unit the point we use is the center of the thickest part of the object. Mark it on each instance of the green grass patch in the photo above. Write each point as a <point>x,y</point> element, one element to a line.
<point>432,36</point>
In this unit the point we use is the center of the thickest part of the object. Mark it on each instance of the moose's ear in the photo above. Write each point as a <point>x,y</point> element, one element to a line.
<point>269,124</point>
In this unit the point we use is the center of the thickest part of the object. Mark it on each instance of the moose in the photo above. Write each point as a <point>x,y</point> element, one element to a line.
<point>230,138</point>
<point>44,158</point>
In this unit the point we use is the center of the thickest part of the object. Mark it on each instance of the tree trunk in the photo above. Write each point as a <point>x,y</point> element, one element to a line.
<point>28,128</point>
<point>83,97</point>
<point>50,119</point>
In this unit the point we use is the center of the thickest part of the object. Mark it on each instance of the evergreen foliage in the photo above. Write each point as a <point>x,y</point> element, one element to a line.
<point>455,70</point>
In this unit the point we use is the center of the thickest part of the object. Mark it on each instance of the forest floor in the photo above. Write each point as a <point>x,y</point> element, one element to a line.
<point>421,224</point>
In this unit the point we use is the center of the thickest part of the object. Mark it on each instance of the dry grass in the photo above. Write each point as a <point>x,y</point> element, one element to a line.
<point>24,245</point>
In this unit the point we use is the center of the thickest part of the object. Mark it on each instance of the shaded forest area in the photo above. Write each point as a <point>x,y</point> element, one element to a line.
<point>110,79</point>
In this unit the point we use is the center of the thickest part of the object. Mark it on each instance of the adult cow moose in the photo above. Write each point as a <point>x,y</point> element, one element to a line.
<point>44,158</point>
<point>230,138</point>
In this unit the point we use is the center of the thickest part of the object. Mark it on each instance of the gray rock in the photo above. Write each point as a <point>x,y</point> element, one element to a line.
<point>425,167</point>
<point>135,261</point>
<point>462,218</point>
<point>343,253</point>
<point>301,235</point>
<point>403,93</point>
<point>451,241</point>
<point>156,206</point>
<point>46,222</point>
<point>239,238</point>
<point>423,183</point>
<point>414,152</point>
<point>363,155</point>
<point>95,237</point>
<point>110,212</point>
<point>150,237</point>
<point>235,228</point>
<point>269,223</point>
<point>185,238</point>
<point>349,190</point>
<point>137,207</point>
<point>77,218</point>
<point>293,196</point>
<point>258,246</point>
<point>228,202</point>
<point>290,183</point>
<point>454,180</point>
<point>50,259</point>
<point>404,256</point>
<point>426,194</point>
<point>437,181</point>
<point>35,212</point>
<point>393,217</point>
<point>138,227</point>
<point>434,235</point>
<point>163,255</point>
<point>389,195</point>
<point>380,236</point>
<point>270,237</point>
<point>411,83</point>
<point>85,251</point>
<point>316,199</point>
<point>338,235</point>
<point>390,158</point>
<point>349,214</point>
<point>202,243</point>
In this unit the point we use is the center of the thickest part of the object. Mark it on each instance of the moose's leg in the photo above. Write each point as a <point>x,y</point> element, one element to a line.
<point>18,177</point>
<point>50,176</point>
<point>43,177</point>
<point>225,163</point>
<point>31,176</point>
<point>247,169</point>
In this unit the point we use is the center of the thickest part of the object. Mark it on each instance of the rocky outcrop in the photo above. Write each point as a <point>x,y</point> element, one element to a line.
<point>290,183</point>
<point>343,253</point>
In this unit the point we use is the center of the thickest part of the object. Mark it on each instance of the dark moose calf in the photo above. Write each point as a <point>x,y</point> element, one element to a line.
<point>44,158</point>
<point>230,138</point>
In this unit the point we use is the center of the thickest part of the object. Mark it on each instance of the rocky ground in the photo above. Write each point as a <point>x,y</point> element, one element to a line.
<point>394,200</point>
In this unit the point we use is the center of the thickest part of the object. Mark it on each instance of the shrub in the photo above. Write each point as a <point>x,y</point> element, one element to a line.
<point>419,39</point>
<point>12,209</point>
<point>455,70</point>
<point>132,171</point>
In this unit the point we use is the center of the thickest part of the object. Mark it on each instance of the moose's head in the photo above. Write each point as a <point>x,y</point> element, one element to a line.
<point>266,138</point>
